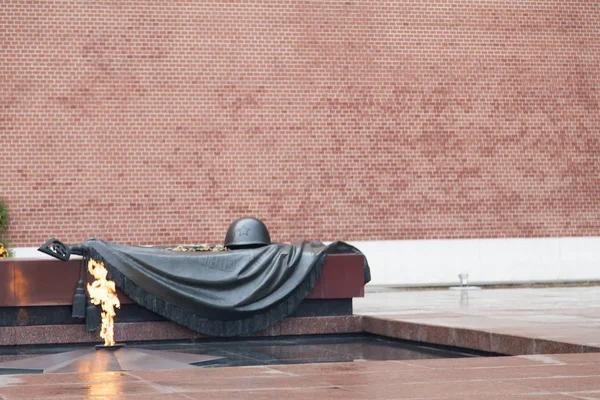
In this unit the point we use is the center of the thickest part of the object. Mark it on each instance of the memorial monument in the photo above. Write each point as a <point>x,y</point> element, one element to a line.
<point>242,287</point>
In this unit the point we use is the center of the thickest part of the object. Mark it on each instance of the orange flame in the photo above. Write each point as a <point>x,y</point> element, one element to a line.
<point>102,291</point>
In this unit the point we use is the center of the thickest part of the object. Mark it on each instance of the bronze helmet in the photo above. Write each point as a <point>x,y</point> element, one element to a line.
<point>246,233</point>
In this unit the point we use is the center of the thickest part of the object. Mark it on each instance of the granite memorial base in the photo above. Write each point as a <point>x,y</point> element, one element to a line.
<point>36,298</point>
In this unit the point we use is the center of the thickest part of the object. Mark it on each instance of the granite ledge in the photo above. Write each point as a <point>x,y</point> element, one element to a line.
<point>481,340</point>
<point>166,330</point>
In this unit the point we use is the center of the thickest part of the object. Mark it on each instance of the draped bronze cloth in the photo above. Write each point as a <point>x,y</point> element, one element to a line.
<point>230,293</point>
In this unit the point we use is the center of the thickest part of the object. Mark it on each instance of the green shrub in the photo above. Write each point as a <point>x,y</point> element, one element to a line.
<point>5,251</point>
<point>4,218</point>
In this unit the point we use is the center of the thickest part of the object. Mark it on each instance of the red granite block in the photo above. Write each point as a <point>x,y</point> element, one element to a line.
<point>435,334</point>
<point>543,346</point>
<point>302,326</point>
<point>343,277</point>
<point>59,390</point>
<point>518,372</point>
<point>344,324</point>
<point>8,335</point>
<point>155,330</point>
<point>314,326</point>
<point>274,330</point>
<point>54,334</point>
<point>475,362</point>
<point>329,393</point>
<point>7,284</point>
<point>45,282</point>
<point>166,330</point>
<point>76,378</point>
<point>203,374</point>
<point>424,389</point>
<point>590,349</point>
<point>467,338</point>
<point>52,282</point>
<point>470,339</point>
<point>565,384</point>
<point>376,326</point>
<point>409,330</point>
<point>381,377</point>
<point>443,335</point>
<point>511,344</point>
<point>279,381</point>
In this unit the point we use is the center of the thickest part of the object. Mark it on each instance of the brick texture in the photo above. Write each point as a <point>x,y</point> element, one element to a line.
<point>159,122</point>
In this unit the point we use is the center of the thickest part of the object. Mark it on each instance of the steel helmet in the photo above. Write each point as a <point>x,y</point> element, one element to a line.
<point>247,232</point>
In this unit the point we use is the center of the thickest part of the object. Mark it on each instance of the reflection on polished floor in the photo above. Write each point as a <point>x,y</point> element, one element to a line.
<point>226,353</point>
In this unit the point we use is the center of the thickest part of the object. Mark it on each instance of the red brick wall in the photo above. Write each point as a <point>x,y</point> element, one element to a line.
<point>162,121</point>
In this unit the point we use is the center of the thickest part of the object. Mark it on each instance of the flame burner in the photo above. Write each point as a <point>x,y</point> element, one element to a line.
<point>113,347</point>
<point>110,358</point>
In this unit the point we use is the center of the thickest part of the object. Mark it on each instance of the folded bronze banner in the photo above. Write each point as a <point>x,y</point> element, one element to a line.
<point>217,293</point>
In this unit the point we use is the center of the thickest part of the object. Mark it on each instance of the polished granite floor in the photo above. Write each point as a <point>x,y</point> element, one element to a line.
<point>570,314</point>
<point>314,349</point>
<point>555,377</point>
<point>223,353</point>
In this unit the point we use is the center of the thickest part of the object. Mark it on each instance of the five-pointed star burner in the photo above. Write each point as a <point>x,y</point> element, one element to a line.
<point>91,360</point>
